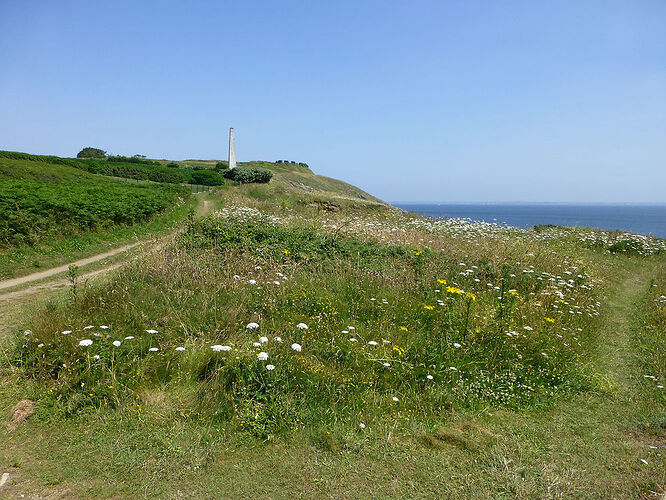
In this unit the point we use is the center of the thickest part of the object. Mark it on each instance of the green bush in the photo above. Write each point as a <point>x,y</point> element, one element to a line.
<point>91,153</point>
<point>138,161</point>
<point>206,177</point>
<point>247,175</point>
<point>221,165</point>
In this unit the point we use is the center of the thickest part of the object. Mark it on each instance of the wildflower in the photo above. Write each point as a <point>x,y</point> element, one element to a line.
<point>66,332</point>
<point>453,368</point>
<point>96,356</point>
<point>218,348</point>
<point>276,282</point>
<point>27,332</point>
<point>180,348</point>
<point>361,425</point>
<point>513,292</point>
<point>549,320</point>
<point>454,290</point>
<point>152,331</point>
<point>40,345</point>
<point>263,340</point>
<point>85,343</point>
<point>528,328</point>
<point>302,326</point>
<point>429,308</point>
<point>252,282</point>
<point>395,399</point>
<point>387,365</point>
<point>471,296</point>
<point>263,356</point>
<point>372,342</point>
<point>286,252</point>
<point>296,347</point>
<point>153,349</point>
<point>116,343</point>
<point>104,327</point>
<point>277,339</point>
<point>351,328</point>
<point>441,282</point>
<point>386,341</point>
<point>404,328</point>
<point>256,344</point>
<point>129,337</point>
<point>258,268</point>
<point>252,326</point>
<point>429,377</point>
<point>352,339</point>
<point>88,327</point>
<point>236,277</point>
<point>457,345</point>
<point>270,367</point>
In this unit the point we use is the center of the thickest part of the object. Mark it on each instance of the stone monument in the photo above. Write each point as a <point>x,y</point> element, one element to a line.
<point>232,149</point>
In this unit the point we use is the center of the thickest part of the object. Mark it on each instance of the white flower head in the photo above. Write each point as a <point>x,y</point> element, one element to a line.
<point>116,343</point>
<point>252,326</point>
<point>270,367</point>
<point>152,331</point>
<point>180,348</point>
<point>88,327</point>
<point>457,345</point>
<point>429,377</point>
<point>352,339</point>
<point>27,332</point>
<point>153,349</point>
<point>104,327</point>
<point>96,356</point>
<point>252,282</point>
<point>395,399</point>
<point>361,425</point>
<point>278,339</point>
<point>218,348</point>
<point>66,332</point>
<point>263,356</point>
<point>372,342</point>
<point>85,343</point>
<point>302,326</point>
<point>296,347</point>
<point>263,340</point>
<point>129,337</point>
<point>256,344</point>
<point>387,365</point>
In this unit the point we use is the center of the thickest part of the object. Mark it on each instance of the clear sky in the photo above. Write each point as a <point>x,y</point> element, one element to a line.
<point>414,101</point>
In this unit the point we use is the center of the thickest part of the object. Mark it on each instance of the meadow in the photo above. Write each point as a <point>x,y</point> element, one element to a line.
<point>314,341</point>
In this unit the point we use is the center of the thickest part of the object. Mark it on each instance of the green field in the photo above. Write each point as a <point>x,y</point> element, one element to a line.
<point>307,340</point>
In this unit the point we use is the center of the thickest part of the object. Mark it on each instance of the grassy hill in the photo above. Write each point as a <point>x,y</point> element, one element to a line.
<point>308,340</point>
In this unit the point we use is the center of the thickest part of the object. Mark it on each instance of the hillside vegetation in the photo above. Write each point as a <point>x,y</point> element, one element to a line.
<point>307,314</point>
<point>45,204</point>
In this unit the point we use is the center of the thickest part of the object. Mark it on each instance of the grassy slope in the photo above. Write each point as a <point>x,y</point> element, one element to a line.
<point>585,445</point>
<point>67,242</point>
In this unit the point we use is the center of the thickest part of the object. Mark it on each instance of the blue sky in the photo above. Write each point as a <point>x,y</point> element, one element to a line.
<point>413,101</point>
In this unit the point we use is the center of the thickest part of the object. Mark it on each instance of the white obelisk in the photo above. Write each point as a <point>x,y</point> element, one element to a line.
<point>232,149</point>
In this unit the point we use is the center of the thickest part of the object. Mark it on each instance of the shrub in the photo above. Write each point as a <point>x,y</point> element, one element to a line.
<point>221,165</point>
<point>207,177</point>
<point>91,153</point>
<point>247,175</point>
<point>138,161</point>
<point>173,164</point>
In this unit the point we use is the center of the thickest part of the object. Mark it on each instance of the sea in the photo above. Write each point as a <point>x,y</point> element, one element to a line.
<point>637,218</point>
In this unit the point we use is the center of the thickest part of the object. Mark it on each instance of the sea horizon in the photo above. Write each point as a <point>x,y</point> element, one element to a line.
<point>635,217</point>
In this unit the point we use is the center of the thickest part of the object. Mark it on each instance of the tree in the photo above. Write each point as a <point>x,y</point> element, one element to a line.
<point>91,153</point>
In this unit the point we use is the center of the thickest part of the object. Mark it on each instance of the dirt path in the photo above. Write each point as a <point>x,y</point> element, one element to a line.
<point>14,282</point>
